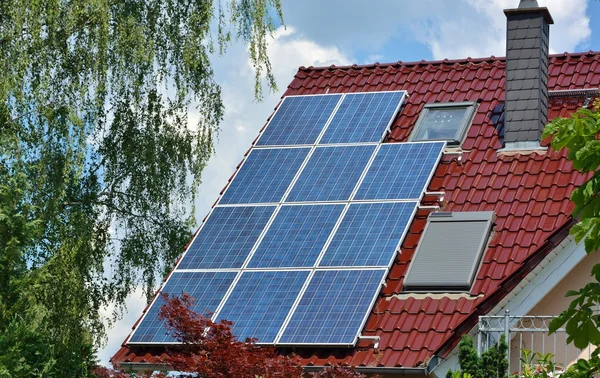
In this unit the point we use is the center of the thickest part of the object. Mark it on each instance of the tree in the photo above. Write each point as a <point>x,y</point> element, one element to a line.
<point>579,135</point>
<point>492,363</point>
<point>97,161</point>
<point>210,350</point>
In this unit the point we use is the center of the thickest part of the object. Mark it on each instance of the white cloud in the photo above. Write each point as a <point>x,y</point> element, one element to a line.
<point>480,28</point>
<point>290,50</point>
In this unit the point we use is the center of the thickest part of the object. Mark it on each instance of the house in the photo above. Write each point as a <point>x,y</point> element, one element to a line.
<point>496,181</point>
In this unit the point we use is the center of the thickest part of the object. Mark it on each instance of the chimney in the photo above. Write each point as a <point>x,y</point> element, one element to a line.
<point>526,96</point>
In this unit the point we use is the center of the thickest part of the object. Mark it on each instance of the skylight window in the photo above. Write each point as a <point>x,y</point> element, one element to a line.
<point>447,122</point>
<point>450,250</point>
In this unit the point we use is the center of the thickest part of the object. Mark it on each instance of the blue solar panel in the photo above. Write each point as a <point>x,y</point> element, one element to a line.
<point>265,175</point>
<point>400,171</point>
<point>362,117</point>
<point>345,248</point>
<point>333,307</point>
<point>331,173</point>
<point>207,289</point>
<point>296,236</point>
<point>369,234</point>
<point>260,302</point>
<point>299,120</point>
<point>227,237</point>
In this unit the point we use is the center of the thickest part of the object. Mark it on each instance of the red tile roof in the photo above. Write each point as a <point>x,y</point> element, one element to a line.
<point>528,192</point>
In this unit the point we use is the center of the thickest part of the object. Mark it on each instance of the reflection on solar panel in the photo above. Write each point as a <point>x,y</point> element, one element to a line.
<point>265,175</point>
<point>331,173</point>
<point>296,236</point>
<point>363,117</point>
<point>400,171</point>
<point>207,288</point>
<point>295,251</point>
<point>334,307</point>
<point>369,234</point>
<point>299,120</point>
<point>227,237</point>
<point>260,302</point>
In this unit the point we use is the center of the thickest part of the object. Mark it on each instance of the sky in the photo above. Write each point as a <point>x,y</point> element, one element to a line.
<point>341,32</point>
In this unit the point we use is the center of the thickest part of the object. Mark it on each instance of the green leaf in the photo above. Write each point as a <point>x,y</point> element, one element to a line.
<point>596,272</point>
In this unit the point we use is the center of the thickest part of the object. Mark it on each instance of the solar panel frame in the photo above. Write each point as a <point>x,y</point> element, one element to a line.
<point>375,138</point>
<point>238,294</point>
<point>307,188</point>
<point>359,194</point>
<point>257,258</point>
<point>359,325</point>
<point>187,259</point>
<point>265,132</point>
<point>244,169</point>
<point>157,300</point>
<point>409,206</point>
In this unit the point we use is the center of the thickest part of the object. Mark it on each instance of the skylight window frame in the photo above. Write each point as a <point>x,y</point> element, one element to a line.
<point>459,136</point>
<point>489,217</point>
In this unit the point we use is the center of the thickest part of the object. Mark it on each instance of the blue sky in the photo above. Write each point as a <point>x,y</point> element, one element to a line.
<point>324,32</point>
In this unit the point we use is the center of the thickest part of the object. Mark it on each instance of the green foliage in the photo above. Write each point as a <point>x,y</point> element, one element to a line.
<point>579,135</point>
<point>467,357</point>
<point>534,364</point>
<point>30,349</point>
<point>581,322</point>
<point>457,374</point>
<point>98,164</point>
<point>493,363</point>
<point>584,368</point>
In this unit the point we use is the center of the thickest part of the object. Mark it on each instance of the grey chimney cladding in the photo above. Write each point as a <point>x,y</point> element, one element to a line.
<point>526,96</point>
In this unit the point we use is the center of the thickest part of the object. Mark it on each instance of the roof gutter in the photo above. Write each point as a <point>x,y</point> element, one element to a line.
<point>379,370</point>
<point>142,366</point>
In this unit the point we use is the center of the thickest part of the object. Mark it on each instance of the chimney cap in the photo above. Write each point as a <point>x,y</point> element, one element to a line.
<point>528,4</point>
<point>525,8</point>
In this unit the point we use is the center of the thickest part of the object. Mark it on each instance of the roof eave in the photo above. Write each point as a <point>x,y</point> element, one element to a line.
<point>142,366</point>
<point>379,370</point>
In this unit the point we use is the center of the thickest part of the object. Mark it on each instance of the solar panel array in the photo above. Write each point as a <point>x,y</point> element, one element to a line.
<point>297,248</point>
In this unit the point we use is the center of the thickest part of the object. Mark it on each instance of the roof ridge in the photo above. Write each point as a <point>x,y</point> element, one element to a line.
<point>467,60</point>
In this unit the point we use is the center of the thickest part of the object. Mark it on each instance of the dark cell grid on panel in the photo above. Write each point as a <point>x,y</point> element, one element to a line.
<point>369,234</point>
<point>265,175</point>
<point>296,236</point>
<point>299,120</point>
<point>333,307</point>
<point>261,301</point>
<point>400,171</point>
<point>362,117</point>
<point>227,237</point>
<point>207,289</point>
<point>331,173</point>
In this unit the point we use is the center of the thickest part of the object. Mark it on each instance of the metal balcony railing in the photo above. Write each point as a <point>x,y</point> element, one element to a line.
<point>531,333</point>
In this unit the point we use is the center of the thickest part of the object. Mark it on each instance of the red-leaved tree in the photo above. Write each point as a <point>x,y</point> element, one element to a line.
<point>211,350</point>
